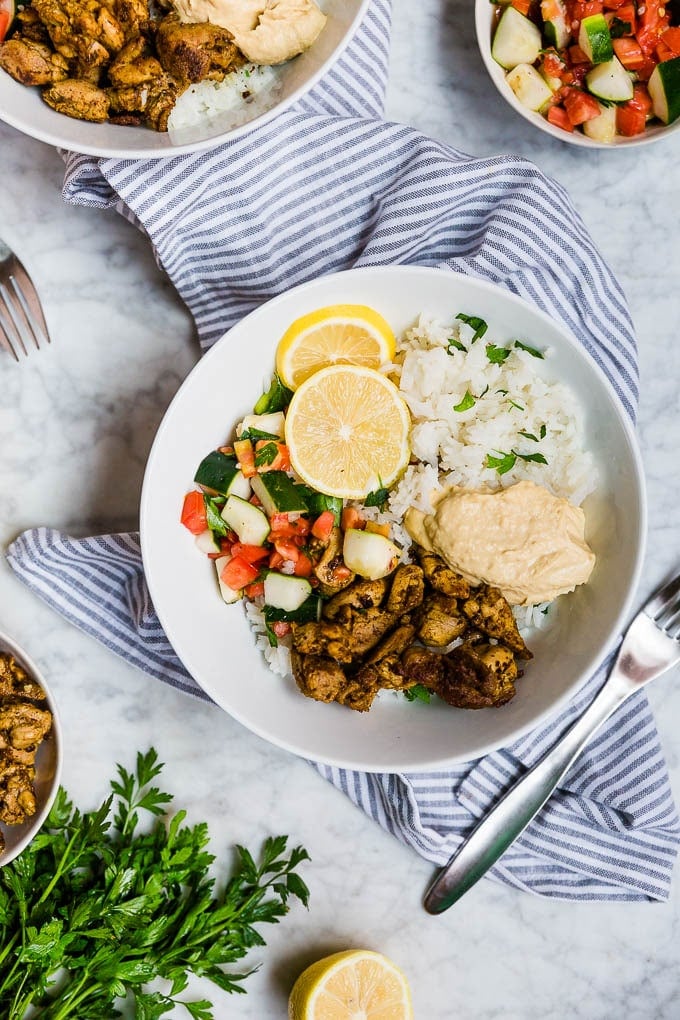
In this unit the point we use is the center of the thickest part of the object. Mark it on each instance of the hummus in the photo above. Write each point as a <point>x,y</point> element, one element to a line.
<point>266,31</point>
<point>522,539</point>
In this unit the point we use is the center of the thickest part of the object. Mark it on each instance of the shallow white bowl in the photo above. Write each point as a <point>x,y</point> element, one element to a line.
<point>484,24</point>
<point>23,108</point>
<point>213,640</point>
<point>47,764</point>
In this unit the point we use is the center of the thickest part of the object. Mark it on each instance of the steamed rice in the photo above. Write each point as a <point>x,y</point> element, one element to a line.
<point>244,94</point>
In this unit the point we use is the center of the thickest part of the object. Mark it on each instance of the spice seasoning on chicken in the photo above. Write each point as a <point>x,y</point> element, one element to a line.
<point>24,724</point>
<point>523,540</point>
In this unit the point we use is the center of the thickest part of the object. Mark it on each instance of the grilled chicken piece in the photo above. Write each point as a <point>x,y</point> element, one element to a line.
<point>360,595</point>
<point>80,99</point>
<point>488,611</point>
<point>25,724</point>
<point>17,800</point>
<point>30,26</point>
<point>32,63</point>
<point>407,589</point>
<point>366,629</point>
<point>441,577</point>
<point>421,666</point>
<point>357,695</point>
<point>318,677</point>
<point>73,25</point>
<point>151,101</point>
<point>15,681</point>
<point>331,571</point>
<point>439,620</point>
<point>133,15</point>
<point>196,52</point>
<point>134,65</point>
<point>325,638</point>
<point>386,674</point>
<point>479,676</point>
<point>394,644</point>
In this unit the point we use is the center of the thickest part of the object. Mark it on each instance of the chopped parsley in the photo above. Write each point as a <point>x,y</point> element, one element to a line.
<point>453,344</point>
<point>466,403</point>
<point>537,458</point>
<point>617,28</point>
<point>496,355</point>
<point>513,403</point>
<point>532,437</point>
<point>378,497</point>
<point>474,322</point>
<point>213,517</point>
<point>504,462</point>
<point>530,350</point>
<point>277,397</point>
<point>267,454</point>
<point>417,693</point>
<point>258,434</point>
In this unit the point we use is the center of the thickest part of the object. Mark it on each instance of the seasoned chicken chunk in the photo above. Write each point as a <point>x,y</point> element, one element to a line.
<point>385,674</point>
<point>439,620</point>
<point>423,667</point>
<point>394,643</point>
<point>80,99</point>
<point>357,695</point>
<point>32,63</point>
<point>17,799</point>
<point>488,611</point>
<point>478,676</point>
<point>407,589</point>
<point>366,629</point>
<point>318,677</point>
<point>192,53</point>
<point>323,637</point>
<point>440,576</point>
<point>16,683</point>
<point>359,595</point>
<point>331,572</point>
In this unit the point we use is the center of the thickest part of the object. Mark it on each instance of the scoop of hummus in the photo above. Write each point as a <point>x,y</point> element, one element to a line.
<point>522,539</point>
<point>266,31</point>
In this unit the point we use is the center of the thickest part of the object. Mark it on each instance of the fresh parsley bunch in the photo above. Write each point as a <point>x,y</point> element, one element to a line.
<point>94,909</point>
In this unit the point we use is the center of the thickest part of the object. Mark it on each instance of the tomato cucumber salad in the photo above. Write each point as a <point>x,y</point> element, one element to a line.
<point>607,69</point>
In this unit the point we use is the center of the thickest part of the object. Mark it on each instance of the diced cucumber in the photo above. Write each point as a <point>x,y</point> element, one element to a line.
<point>273,424</point>
<point>610,82</point>
<point>239,486</point>
<point>207,543</point>
<point>595,40</point>
<point>284,591</point>
<point>278,493</point>
<point>530,88</point>
<point>664,88</point>
<point>216,471</point>
<point>248,521</point>
<point>516,41</point>
<point>228,594</point>
<point>555,26</point>
<point>602,128</point>
<point>368,554</point>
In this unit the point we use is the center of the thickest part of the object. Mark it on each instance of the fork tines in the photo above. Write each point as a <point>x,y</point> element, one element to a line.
<point>664,605</point>
<point>21,318</point>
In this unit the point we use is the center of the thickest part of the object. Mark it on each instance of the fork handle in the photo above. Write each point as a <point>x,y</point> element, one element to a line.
<point>501,826</point>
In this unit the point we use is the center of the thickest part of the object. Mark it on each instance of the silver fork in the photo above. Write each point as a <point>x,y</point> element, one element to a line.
<point>22,320</point>
<point>650,646</point>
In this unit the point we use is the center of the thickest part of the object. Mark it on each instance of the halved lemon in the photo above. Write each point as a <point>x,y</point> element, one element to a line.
<point>355,985</point>
<point>335,335</point>
<point>347,430</point>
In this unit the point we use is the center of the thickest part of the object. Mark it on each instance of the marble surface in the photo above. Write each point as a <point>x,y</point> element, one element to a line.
<point>76,424</point>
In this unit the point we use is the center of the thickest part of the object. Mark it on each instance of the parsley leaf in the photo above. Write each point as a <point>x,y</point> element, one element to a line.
<point>474,322</point>
<point>504,462</point>
<point>530,350</point>
<point>466,403</point>
<point>496,355</point>
<point>417,693</point>
<point>258,434</point>
<point>528,435</point>
<point>378,497</point>
<point>214,519</point>
<point>617,28</point>
<point>453,344</point>
<point>266,454</point>
<point>277,398</point>
<point>538,458</point>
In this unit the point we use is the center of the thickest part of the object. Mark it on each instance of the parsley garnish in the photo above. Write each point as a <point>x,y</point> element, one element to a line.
<point>538,458</point>
<point>530,350</point>
<point>474,322</point>
<point>496,355</point>
<point>417,693</point>
<point>378,497</point>
<point>504,462</point>
<point>266,454</point>
<point>466,403</point>
<point>214,519</point>
<point>277,398</point>
<point>528,435</point>
<point>94,909</point>
<point>513,403</point>
<point>617,28</point>
<point>456,344</point>
<point>258,434</point>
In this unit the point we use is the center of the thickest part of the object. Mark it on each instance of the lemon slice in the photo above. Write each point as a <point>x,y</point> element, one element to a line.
<point>336,335</point>
<point>355,985</point>
<point>347,430</point>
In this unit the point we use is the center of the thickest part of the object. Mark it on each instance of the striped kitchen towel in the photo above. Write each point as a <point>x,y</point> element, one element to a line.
<point>327,186</point>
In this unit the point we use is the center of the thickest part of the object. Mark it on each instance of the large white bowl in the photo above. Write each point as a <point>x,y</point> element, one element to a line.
<point>23,108</point>
<point>47,764</point>
<point>484,24</point>
<point>213,640</point>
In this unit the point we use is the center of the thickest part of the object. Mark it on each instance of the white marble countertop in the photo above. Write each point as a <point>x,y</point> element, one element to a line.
<point>76,424</point>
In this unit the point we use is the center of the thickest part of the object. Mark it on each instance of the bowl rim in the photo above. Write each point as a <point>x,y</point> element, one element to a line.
<point>597,658</point>
<point>142,152</point>
<point>484,11</point>
<point>36,822</point>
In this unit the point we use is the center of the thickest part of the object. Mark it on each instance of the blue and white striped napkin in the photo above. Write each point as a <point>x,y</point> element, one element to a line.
<point>326,186</point>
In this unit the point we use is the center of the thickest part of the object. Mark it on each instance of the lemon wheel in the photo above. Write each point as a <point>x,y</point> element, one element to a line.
<point>354,985</point>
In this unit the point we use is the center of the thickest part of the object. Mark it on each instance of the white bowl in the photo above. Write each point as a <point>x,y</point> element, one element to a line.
<point>484,24</point>
<point>47,764</point>
<point>23,108</point>
<point>213,640</point>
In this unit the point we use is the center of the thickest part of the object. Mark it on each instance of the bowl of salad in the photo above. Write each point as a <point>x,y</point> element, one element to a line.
<point>588,72</point>
<point>323,484</point>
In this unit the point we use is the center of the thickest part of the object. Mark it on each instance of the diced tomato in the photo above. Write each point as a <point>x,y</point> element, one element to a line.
<point>612,5</point>
<point>237,573</point>
<point>580,106</point>
<point>663,52</point>
<point>641,99</point>
<point>523,6</point>
<point>581,10</point>
<point>287,549</point>
<point>341,572</point>
<point>193,513</point>
<point>378,529</point>
<point>276,560</point>
<point>557,115</point>
<point>671,39</point>
<point>254,500</point>
<point>552,64</point>
<point>629,120</point>
<point>226,543</point>
<point>283,528</point>
<point>281,462</point>
<point>577,56</point>
<point>578,73</point>
<point>303,565</point>
<point>228,451</point>
<point>243,448</point>
<point>653,22</point>
<point>254,590</point>
<point>351,518</point>
<point>4,24</point>
<point>627,13</point>
<point>324,525</point>
<point>277,521</point>
<point>280,627</point>
<point>629,53</point>
<point>250,553</point>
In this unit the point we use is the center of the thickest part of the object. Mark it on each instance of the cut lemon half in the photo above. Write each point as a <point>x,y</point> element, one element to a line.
<point>336,335</point>
<point>347,430</point>
<point>355,985</point>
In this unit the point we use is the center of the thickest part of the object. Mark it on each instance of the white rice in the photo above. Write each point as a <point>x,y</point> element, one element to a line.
<point>244,94</point>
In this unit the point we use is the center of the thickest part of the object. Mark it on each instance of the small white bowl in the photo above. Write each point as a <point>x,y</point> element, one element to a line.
<point>23,108</point>
<point>47,764</point>
<point>484,24</point>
